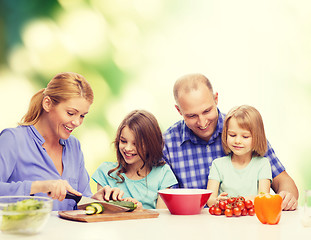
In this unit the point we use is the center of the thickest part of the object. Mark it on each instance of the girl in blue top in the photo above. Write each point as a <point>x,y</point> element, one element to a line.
<point>244,172</point>
<point>140,170</point>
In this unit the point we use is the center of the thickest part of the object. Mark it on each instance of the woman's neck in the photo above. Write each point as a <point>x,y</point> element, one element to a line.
<point>49,138</point>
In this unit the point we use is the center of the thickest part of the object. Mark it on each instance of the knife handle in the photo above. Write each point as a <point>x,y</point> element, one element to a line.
<point>73,196</point>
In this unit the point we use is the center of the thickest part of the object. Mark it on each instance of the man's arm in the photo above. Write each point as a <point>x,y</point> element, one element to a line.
<point>284,185</point>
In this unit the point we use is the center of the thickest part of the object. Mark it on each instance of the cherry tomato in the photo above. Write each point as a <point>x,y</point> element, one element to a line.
<point>237,211</point>
<point>249,204</point>
<point>231,200</point>
<point>229,206</point>
<point>212,210</point>
<point>228,212</point>
<point>244,212</point>
<point>251,211</point>
<point>222,205</point>
<point>217,211</point>
<point>240,198</point>
<point>240,205</point>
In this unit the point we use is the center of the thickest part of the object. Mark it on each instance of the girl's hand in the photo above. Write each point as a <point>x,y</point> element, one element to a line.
<point>56,189</point>
<point>129,199</point>
<point>107,193</point>
<point>222,196</point>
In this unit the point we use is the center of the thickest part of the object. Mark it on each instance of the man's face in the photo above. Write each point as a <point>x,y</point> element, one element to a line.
<point>199,110</point>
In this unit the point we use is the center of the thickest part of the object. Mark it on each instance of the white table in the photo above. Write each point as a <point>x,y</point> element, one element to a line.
<point>167,226</point>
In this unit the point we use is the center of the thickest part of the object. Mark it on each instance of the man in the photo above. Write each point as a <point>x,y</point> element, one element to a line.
<point>194,142</point>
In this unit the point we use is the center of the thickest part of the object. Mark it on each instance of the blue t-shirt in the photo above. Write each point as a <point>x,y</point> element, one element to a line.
<point>24,160</point>
<point>240,182</point>
<point>144,190</point>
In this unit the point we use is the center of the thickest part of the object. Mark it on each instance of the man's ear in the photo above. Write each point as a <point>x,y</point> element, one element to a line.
<point>47,103</point>
<point>178,109</point>
<point>216,98</point>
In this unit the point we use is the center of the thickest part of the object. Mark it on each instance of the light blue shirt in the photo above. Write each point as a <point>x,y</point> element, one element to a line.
<point>144,190</point>
<point>240,182</point>
<point>24,160</point>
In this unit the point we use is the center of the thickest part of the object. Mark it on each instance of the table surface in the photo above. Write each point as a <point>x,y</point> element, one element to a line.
<point>167,226</point>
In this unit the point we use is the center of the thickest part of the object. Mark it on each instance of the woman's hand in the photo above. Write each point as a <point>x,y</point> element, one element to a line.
<point>107,193</point>
<point>56,189</point>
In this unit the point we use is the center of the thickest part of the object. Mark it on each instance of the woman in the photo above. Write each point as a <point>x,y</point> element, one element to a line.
<point>40,156</point>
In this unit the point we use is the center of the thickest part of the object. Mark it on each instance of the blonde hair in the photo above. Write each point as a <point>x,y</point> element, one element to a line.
<point>62,87</point>
<point>249,119</point>
<point>190,82</point>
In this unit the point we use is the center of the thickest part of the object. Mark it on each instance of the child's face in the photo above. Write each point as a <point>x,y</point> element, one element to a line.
<point>127,148</point>
<point>239,140</point>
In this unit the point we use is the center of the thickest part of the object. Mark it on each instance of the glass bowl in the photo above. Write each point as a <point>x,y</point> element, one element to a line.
<point>24,214</point>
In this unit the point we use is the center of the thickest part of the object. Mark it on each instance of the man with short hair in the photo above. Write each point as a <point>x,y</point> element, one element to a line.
<point>192,143</point>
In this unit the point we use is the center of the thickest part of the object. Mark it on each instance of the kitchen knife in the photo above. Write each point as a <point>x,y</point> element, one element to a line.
<point>82,202</point>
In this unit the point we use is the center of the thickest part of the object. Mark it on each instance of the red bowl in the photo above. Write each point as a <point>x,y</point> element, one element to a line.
<point>182,201</point>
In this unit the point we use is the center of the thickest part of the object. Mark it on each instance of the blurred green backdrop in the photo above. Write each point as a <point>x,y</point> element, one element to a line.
<point>132,51</point>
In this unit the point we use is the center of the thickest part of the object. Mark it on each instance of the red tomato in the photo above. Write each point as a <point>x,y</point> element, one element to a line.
<point>240,205</point>
<point>222,205</point>
<point>244,212</point>
<point>249,204</point>
<point>240,198</point>
<point>228,212</point>
<point>231,200</point>
<point>212,210</point>
<point>251,211</point>
<point>217,211</point>
<point>237,211</point>
<point>229,206</point>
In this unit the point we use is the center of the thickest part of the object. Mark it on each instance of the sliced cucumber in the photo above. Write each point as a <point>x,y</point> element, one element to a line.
<point>99,207</point>
<point>89,210</point>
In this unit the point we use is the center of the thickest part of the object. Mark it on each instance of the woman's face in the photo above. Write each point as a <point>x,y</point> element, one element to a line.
<point>66,116</point>
<point>127,147</point>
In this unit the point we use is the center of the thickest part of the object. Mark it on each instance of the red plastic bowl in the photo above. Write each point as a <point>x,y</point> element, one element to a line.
<point>182,201</point>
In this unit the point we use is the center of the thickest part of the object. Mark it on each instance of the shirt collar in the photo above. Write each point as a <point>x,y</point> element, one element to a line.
<point>35,133</point>
<point>188,135</point>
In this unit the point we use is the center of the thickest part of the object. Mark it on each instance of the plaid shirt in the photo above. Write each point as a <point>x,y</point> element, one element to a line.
<point>190,157</point>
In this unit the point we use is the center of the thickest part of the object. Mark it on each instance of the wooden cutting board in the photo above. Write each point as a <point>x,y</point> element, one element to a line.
<point>79,215</point>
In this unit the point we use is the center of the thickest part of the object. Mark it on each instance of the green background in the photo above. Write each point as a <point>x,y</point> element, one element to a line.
<point>132,51</point>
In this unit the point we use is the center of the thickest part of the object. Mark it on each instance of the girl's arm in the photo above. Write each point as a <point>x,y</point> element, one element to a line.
<point>212,185</point>
<point>264,185</point>
<point>160,203</point>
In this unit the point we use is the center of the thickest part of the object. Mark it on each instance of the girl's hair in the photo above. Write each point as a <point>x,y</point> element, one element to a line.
<point>62,87</point>
<point>249,119</point>
<point>148,140</point>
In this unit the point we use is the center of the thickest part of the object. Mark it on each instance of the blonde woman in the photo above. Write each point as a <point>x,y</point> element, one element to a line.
<point>244,171</point>
<point>40,156</point>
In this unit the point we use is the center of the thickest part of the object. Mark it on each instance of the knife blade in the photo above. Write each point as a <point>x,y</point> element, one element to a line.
<point>83,201</point>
